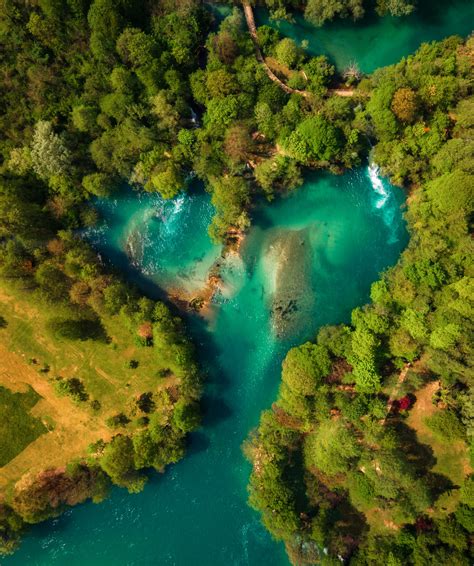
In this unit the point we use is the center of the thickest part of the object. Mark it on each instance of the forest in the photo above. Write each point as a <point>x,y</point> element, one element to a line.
<point>96,94</point>
<point>336,464</point>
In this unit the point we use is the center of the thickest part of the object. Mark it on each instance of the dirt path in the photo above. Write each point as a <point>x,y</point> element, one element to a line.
<point>249,17</point>
<point>395,391</point>
<point>74,428</point>
<point>248,11</point>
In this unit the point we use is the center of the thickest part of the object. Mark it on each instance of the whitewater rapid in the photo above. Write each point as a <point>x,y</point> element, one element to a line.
<point>383,202</point>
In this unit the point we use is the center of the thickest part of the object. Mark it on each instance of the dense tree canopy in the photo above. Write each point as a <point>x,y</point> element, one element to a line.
<point>347,417</point>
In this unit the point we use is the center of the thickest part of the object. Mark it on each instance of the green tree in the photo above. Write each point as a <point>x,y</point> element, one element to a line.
<point>118,462</point>
<point>331,448</point>
<point>84,117</point>
<point>315,139</point>
<point>287,52</point>
<point>186,416</point>
<point>49,155</point>
<point>320,11</point>
<point>452,192</point>
<point>98,184</point>
<point>304,367</point>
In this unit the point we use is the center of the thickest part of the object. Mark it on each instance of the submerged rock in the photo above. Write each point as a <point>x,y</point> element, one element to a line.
<point>289,260</point>
<point>134,247</point>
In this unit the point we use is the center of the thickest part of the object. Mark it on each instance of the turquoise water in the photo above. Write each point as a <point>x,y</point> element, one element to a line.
<point>375,42</point>
<point>323,245</point>
<point>165,241</point>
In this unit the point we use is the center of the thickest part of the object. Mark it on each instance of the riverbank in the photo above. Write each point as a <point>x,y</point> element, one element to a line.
<point>80,415</point>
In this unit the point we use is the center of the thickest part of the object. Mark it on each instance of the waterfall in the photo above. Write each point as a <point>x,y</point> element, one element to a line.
<point>178,204</point>
<point>382,201</point>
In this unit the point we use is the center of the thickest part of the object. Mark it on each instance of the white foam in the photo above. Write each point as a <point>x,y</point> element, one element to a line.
<point>383,200</point>
<point>377,185</point>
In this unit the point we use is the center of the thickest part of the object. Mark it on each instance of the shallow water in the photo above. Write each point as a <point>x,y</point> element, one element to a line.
<point>375,42</point>
<point>346,229</point>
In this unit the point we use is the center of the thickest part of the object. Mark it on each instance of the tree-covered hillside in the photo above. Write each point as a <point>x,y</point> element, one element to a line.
<point>368,450</point>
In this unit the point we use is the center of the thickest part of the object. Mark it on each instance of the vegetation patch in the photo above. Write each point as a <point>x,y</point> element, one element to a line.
<point>17,427</point>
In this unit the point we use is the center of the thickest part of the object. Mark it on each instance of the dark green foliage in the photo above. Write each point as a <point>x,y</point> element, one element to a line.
<point>331,448</point>
<point>186,416</point>
<point>76,329</point>
<point>315,139</point>
<point>145,402</point>
<point>118,462</point>
<point>304,368</point>
<point>117,421</point>
<point>15,416</point>
<point>73,387</point>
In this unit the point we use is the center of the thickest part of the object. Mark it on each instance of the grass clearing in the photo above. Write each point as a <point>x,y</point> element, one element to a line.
<point>18,427</point>
<point>69,427</point>
<point>452,458</point>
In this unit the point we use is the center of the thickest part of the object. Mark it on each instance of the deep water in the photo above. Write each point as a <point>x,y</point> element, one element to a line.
<point>344,230</point>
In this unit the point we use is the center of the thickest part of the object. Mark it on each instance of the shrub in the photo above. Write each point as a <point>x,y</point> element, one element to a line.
<point>117,421</point>
<point>446,426</point>
<point>72,387</point>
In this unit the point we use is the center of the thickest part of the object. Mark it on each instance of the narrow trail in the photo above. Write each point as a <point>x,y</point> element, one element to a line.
<point>394,394</point>
<point>249,17</point>
<point>248,11</point>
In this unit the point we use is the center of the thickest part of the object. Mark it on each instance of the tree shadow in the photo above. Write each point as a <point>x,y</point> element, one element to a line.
<point>420,455</point>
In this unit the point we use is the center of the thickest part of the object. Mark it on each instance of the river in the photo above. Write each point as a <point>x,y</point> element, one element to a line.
<point>344,230</point>
<point>374,42</point>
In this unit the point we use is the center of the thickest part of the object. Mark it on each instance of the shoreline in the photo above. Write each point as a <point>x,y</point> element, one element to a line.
<point>200,301</point>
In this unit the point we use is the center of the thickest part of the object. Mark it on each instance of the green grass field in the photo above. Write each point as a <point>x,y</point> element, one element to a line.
<point>102,367</point>
<point>17,427</point>
<point>33,356</point>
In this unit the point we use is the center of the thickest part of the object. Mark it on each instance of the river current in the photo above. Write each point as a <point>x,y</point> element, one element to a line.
<point>322,246</point>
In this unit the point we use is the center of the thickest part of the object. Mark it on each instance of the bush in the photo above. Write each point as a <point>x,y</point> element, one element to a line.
<point>116,421</point>
<point>72,387</point>
<point>446,426</point>
<point>95,405</point>
<point>145,402</point>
